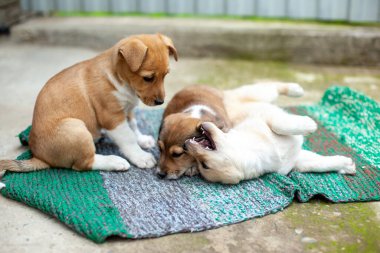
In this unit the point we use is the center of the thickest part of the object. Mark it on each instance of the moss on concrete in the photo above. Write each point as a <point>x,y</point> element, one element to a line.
<point>349,227</point>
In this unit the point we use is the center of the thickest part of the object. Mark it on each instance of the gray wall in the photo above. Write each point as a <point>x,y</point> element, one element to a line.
<point>348,10</point>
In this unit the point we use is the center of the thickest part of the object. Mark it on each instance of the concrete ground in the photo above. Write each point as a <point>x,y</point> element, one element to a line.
<point>317,226</point>
<point>217,37</point>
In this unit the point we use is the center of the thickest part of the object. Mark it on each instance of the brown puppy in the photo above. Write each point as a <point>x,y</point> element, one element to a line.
<point>188,108</point>
<point>197,104</point>
<point>98,94</point>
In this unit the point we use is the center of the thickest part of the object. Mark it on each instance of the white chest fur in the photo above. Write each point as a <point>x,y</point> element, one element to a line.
<point>124,94</point>
<point>196,111</point>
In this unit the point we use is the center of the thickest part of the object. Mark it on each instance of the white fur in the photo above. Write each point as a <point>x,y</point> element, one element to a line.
<point>145,141</point>
<point>195,111</point>
<point>126,139</point>
<point>294,90</point>
<point>268,140</point>
<point>124,93</point>
<point>192,171</point>
<point>172,176</point>
<point>264,91</point>
<point>110,162</point>
<point>127,135</point>
<point>310,161</point>
<point>2,185</point>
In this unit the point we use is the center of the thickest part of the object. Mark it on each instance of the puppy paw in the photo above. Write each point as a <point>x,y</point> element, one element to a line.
<point>146,141</point>
<point>119,163</point>
<point>308,125</point>
<point>2,185</point>
<point>110,163</point>
<point>295,90</point>
<point>347,165</point>
<point>192,171</point>
<point>143,160</point>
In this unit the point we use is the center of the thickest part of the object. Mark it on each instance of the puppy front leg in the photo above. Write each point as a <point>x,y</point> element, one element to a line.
<point>145,141</point>
<point>308,161</point>
<point>126,139</point>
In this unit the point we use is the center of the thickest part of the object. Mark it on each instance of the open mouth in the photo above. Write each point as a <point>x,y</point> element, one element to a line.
<point>204,139</point>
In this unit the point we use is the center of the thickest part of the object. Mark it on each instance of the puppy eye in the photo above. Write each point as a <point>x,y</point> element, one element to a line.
<point>204,165</point>
<point>177,154</point>
<point>148,79</point>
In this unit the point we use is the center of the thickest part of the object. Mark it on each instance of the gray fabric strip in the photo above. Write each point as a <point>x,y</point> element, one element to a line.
<point>153,207</point>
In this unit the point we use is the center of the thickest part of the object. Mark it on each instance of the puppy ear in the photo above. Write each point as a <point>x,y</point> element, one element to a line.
<point>134,52</point>
<point>161,145</point>
<point>169,43</point>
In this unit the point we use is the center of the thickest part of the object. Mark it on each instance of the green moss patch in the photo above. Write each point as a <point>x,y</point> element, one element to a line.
<point>350,227</point>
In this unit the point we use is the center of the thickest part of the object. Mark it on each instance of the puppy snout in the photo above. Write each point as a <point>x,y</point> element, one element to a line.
<point>161,175</point>
<point>158,101</point>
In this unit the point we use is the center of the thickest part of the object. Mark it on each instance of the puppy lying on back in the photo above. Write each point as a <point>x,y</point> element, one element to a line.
<point>196,104</point>
<point>267,140</point>
<point>99,93</point>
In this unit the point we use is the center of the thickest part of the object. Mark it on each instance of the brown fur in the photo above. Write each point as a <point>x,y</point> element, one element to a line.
<point>77,102</point>
<point>177,127</point>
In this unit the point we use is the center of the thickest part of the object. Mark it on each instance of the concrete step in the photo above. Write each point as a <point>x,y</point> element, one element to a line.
<point>303,43</point>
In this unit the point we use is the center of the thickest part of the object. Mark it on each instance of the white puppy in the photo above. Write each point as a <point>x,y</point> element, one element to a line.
<point>268,140</point>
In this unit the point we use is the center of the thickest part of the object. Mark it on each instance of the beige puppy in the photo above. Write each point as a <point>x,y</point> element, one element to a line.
<point>196,104</point>
<point>267,140</point>
<point>96,94</point>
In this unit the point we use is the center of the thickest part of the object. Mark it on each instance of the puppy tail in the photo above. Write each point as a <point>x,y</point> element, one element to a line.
<point>23,165</point>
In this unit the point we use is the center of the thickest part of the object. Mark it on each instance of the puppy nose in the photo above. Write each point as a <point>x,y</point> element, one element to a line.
<point>161,175</point>
<point>158,101</point>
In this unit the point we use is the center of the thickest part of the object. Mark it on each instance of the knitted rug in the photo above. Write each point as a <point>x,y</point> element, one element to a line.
<point>136,204</point>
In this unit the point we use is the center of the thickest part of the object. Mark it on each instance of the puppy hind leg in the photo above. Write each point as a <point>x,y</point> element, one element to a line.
<point>77,149</point>
<point>86,158</point>
<point>283,123</point>
<point>308,161</point>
